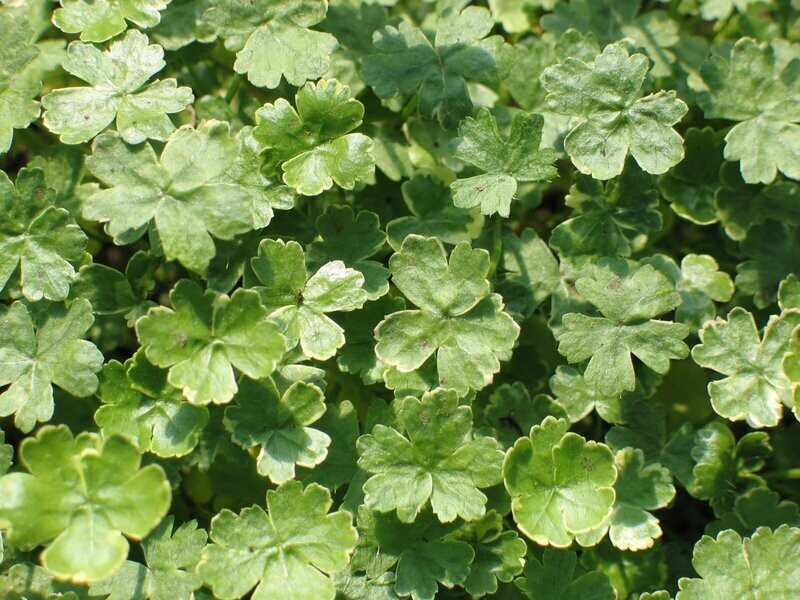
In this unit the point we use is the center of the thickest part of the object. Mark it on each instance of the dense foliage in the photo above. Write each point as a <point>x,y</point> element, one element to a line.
<point>366,300</point>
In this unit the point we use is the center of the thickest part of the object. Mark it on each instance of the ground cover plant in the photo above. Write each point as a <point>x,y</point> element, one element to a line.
<point>367,300</point>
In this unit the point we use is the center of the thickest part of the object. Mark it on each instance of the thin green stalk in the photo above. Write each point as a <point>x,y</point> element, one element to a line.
<point>497,244</point>
<point>781,474</point>
<point>234,86</point>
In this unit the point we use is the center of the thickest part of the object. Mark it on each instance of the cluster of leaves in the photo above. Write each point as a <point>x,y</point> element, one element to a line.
<point>367,300</point>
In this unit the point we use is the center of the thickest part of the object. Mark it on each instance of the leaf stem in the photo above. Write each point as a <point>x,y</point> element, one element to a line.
<point>497,245</point>
<point>234,86</point>
<point>782,474</point>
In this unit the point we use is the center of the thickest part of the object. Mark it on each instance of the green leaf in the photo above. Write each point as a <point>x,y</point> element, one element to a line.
<point>735,201</point>
<point>699,283</point>
<point>421,557</point>
<point>278,424</point>
<point>99,20</point>
<point>17,107</point>
<point>183,196</point>
<point>340,424</point>
<point>119,90</point>
<point>313,144</point>
<point>614,20</point>
<point>434,456</point>
<point>205,335</point>
<point>139,404</point>
<point>560,484</point>
<point>38,351</point>
<point>499,554</point>
<point>80,496</point>
<point>759,90</point>
<point>554,578</point>
<point>639,490</point>
<point>724,467</point>
<point>432,214</point>
<point>511,411</point>
<point>764,565</point>
<point>529,273</point>
<point>352,238</point>
<point>272,39</point>
<point>298,303</point>
<point>712,10</point>
<point>505,161</point>
<point>289,551</point>
<point>169,574</point>
<point>111,292</point>
<point>407,64</point>
<point>357,356</point>
<point>628,298</point>
<point>757,507</point>
<point>459,319</point>
<point>691,184</point>
<point>773,249</point>
<point>613,120</point>
<point>755,387</point>
<point>611,219</point>
<point>579,398</point>
<point>39,242</point>
<point>24,581</point>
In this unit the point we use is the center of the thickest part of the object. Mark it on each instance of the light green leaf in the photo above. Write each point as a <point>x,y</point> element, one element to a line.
<point>80,496</point>
<point>699,283</point>
<point>755,387</point>
<point>139,404</point>
<point>434,456</point>
<point>614,120</point>
<point>205,335</point>
<point>628,298</point>
<point>764,565</point>
<point>505,161</point>
<point>289,551</point>
<point>99,20</point>
<point>407,64</point>
<point>298,303</point>
<point>313,144</point>
<point>579,398</point>
<point>560,484</point>
<point>169,573</point>
<point>278,424</point>
<point>38,241</point>
<point>459,319</point>
<point>183,196</point>
<point>639,490</point>
<point>761,92</point>
<point>119,90</point>
<point>272,38</point>
<point>41,350</point>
